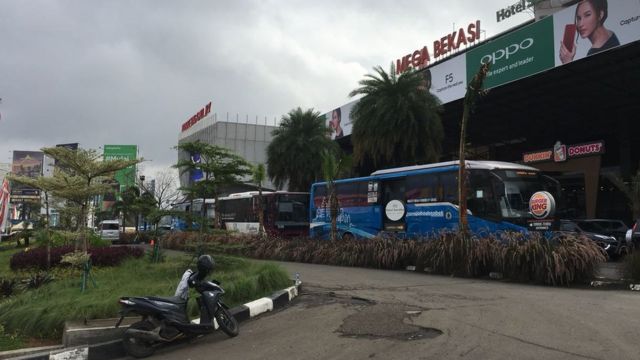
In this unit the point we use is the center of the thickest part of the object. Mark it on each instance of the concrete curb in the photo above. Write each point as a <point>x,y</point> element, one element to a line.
<point>104,342</point>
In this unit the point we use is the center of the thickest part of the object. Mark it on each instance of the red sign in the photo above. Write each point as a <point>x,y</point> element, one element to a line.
<point>542,205</point>
<point>197,117</point>
<point>420,58</point>
<point>558,154</point>
<point>537,156</point>
<point>586,149</point>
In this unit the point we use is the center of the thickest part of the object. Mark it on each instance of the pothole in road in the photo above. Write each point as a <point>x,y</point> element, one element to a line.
<point>317,298</point>
<point>385,321</point>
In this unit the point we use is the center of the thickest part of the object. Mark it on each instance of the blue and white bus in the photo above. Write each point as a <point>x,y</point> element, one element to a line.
<point>419,201</point>
<point>195,207</point>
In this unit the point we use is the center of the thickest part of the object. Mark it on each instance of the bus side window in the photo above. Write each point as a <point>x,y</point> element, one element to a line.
<point>448,187</point>
<point>422,188</point>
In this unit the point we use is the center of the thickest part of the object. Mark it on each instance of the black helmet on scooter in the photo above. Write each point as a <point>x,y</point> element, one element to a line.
<point>205,265</point>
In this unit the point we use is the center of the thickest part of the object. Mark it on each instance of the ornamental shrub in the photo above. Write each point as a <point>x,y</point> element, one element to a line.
<point>100,256</point>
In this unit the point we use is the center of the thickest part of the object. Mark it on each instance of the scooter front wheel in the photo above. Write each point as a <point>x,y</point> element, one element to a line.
<point>227,322</point>
<point>135,346</point>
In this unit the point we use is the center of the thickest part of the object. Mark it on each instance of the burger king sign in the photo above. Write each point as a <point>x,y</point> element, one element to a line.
<point>542,205</point>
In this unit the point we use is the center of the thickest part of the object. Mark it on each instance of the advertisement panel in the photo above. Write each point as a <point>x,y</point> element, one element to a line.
<point>339,120</point>
<point>448,79</point>
<point>196,174</point>
<point>588,28</point>
<point>127,176</point>
<point>29,164</point>
<point>514,56</point>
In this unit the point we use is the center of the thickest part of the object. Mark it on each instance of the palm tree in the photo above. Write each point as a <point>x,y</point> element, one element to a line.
<point>474,91</point>
<point>258,178</point>
<point>293,155</point>
<point>397,121</point>
<point>333,165</point>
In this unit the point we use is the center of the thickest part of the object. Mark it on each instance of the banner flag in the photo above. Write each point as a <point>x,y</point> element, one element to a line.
<point>4,204</point>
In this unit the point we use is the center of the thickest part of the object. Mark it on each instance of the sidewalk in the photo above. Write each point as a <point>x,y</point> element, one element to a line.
<point>611,270</point>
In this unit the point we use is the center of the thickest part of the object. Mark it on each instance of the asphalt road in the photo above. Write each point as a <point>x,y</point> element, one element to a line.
<point>353,313</point>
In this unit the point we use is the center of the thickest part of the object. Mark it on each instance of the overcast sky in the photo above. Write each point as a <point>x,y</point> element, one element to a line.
<point>131,72</point>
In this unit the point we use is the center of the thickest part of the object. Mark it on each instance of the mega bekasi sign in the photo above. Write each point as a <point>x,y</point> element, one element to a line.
<point>421,58</point>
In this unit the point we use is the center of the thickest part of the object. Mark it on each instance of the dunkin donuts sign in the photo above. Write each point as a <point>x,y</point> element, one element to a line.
<point>561,152</point>
<point>542,205</point>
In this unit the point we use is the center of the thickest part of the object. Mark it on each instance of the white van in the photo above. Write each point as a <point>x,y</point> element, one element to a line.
<point>109,230</point>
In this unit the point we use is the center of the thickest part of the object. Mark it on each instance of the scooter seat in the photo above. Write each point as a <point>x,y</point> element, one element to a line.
<point>173,299</point>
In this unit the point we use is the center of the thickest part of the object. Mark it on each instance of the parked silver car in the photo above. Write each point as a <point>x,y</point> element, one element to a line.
<point>109,230</point>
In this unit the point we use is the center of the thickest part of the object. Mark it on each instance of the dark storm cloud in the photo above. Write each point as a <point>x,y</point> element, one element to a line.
<point>131,72</point>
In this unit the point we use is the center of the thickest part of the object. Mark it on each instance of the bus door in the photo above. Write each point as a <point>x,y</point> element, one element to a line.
<point>394,209</point>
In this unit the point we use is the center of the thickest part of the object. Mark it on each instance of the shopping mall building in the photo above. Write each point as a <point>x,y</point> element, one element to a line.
<point>246,137</point>
<point>555,101</point>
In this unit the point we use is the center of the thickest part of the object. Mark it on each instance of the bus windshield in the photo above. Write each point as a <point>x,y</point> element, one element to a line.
<point>293,207</point>
<point>519,186</point>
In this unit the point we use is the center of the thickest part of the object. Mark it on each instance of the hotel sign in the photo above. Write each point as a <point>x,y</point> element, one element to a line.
<point>514,9</point>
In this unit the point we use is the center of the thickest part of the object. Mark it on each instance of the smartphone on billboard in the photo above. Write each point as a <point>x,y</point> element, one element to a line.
<point>569,36</point>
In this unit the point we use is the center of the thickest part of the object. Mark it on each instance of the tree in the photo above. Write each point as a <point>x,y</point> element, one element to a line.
<point>166,189</point>
<point>333,165</point>
<point>78,178</point>
<point>258,179</point>
<point>474,91</point>
<point>397,121</point>
<point>293,156</point>
<point>126,204</point>
<point>219,167</point>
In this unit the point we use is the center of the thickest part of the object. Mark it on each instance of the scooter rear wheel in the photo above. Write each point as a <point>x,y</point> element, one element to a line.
<point>227,322</point>
<point>135,346</point>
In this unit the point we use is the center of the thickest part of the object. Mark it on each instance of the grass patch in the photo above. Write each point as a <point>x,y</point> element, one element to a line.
<point>42,312</point>
<point>10,342</point>
<point>6,253</point>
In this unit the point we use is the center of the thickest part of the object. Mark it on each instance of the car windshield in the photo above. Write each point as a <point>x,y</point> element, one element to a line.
<point>110,226</point>
<point>293,207</point>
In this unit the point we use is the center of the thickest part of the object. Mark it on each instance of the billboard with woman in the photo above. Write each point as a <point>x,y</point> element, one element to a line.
<point>593,26</point>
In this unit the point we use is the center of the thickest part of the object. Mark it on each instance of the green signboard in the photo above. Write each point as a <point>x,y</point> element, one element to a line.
<point>127,176</point>
<point>514,56</point>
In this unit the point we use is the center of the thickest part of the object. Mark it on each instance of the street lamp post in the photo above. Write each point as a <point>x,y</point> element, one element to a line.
<point>141,188</point>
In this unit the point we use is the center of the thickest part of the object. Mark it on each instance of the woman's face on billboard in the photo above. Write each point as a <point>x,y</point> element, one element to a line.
<point>335,119</point>
<point>587,19</point>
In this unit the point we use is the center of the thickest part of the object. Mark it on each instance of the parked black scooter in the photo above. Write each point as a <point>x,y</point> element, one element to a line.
<point>165,319</point>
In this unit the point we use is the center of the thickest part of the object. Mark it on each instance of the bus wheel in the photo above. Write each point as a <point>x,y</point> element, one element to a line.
<point>347,236</point>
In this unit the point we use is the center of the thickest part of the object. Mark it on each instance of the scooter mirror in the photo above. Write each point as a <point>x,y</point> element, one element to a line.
<point>195,277</point>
